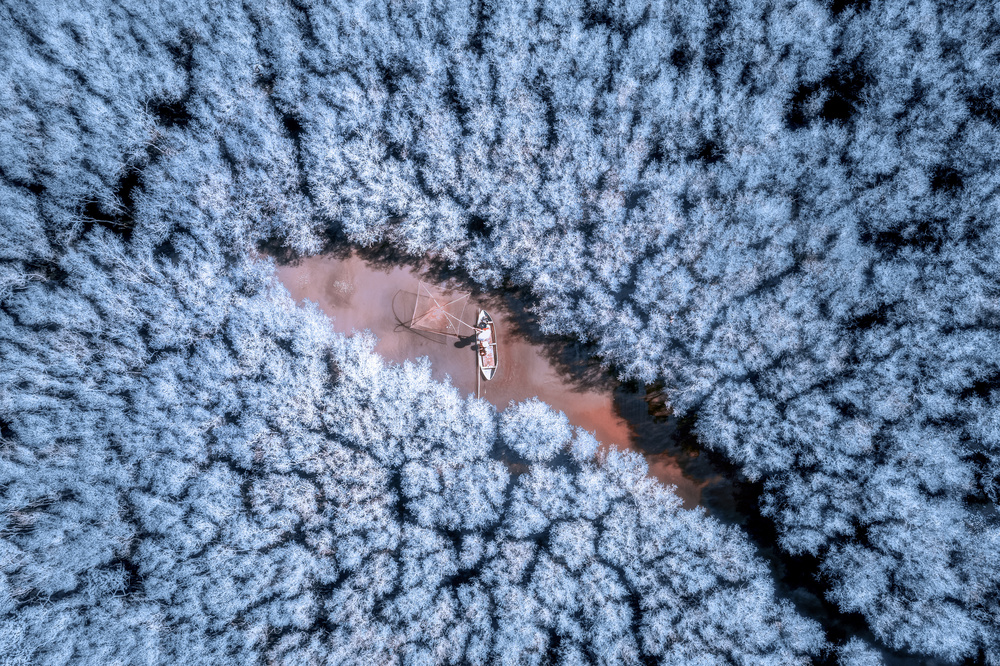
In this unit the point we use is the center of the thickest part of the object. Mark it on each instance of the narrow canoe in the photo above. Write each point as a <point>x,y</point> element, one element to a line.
<point>489,360</point>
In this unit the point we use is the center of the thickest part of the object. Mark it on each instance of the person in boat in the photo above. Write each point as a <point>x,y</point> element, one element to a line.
<point>483,337</point>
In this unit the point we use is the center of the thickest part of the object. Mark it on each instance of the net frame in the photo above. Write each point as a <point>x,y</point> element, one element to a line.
<point>435,310</point>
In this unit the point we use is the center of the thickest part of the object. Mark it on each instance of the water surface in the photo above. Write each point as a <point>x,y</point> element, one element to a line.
<point>358,294</point>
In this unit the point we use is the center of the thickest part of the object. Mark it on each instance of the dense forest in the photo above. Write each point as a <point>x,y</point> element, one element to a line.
<point>785,213</point>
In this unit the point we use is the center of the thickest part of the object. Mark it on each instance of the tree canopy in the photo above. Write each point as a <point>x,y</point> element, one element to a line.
<point>783,211</point>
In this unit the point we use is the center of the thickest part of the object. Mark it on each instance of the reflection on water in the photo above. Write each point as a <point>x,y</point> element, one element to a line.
<point>357,295</point>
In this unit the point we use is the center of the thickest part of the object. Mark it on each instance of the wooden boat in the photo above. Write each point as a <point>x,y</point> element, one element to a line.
<point>486,350</point>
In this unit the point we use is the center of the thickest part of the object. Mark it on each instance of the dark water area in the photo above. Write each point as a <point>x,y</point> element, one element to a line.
<point>378,290</point>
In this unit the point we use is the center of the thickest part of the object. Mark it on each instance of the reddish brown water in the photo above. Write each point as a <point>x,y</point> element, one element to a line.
<point>357,295</point>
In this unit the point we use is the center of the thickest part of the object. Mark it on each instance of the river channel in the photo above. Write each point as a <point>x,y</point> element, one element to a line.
<point>378,295</point>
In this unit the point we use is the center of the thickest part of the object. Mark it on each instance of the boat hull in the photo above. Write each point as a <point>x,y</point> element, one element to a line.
<point>490,361</point>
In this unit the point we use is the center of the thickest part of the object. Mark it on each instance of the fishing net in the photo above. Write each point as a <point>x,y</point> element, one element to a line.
<point>440,311</point>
